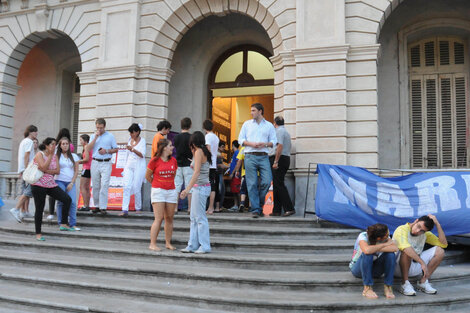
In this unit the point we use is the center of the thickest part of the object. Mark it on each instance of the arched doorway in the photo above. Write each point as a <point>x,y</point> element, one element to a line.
<point>50,89</point>
<point>239,77</point>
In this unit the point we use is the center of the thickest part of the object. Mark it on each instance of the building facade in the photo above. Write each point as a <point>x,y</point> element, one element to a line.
<point>371,83</point>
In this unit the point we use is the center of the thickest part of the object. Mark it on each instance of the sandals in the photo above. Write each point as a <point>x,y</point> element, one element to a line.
<point>388,292</point>
<point>368,293</point>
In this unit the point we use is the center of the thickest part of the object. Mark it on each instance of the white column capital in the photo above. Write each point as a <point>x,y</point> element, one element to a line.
<point>283,58</point>
<point>363,53</point>
<point>321,53</point>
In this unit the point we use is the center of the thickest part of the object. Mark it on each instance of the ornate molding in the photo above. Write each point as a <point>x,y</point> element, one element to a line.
<point>363,53</point>
<point>5,5</point>
<point>283,58</point>
<point>130,71</point>
<point>321,53</point>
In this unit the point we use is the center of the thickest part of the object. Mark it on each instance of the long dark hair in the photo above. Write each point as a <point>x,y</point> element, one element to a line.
<point>64,132</point>
<point>68,153</point>
<point>45,143</point>
<point>162,144</point>
<point>376,231</point>
<point>197,140</point>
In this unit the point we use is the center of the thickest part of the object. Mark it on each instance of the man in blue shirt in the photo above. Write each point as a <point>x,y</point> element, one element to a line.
<point>103,145</point>
<point>257,135</point>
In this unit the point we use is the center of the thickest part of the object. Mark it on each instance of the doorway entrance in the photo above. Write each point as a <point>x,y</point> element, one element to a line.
<point>240,77</point>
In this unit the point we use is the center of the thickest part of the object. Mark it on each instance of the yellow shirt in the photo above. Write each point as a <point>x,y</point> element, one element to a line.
<point>404,239</point>
<point>241,156</point>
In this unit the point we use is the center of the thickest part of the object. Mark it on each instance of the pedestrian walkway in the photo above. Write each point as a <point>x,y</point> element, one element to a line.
<point>265,265</point>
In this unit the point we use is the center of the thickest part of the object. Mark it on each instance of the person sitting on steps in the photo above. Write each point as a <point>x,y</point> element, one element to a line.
<point>374,255</point>
<point>412,260</point>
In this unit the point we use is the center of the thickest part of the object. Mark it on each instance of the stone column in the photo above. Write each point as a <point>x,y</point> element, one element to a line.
<point>362,127</point>
<point>8,92</point>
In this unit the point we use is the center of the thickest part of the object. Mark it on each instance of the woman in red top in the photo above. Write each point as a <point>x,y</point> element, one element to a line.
<point>161,172</point>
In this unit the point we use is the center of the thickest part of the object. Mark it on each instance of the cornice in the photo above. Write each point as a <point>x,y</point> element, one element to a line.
<point>321,53</point>
<point>361,53</point>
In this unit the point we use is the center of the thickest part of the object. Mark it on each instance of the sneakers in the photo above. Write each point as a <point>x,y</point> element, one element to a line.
<point>84,209</point>
<point>407,289</point>
<point>22,216</point>
<point>426,287</point>
<point>75,228</point>
<point>50,217</point>
<point>233,209</point>
<point>241,208</point>
<point>27,214</point>
<point>16,214</point>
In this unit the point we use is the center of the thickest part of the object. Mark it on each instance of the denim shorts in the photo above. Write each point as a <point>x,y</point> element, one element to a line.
<point>26,189</point>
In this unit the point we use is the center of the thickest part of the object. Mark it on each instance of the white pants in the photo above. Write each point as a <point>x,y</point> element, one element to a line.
<point>132,182</point>
<point>100,176</point>
<point>415,267</point>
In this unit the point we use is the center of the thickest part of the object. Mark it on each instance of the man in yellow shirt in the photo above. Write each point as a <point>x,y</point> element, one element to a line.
<point>412,260</point>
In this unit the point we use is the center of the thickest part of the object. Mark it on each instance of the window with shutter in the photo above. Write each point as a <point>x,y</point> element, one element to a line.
<point>438,103</point>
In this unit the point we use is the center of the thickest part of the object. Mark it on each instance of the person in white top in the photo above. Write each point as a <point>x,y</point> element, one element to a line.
<point>212,144</point>
<point>68,164</point>
<point>25,155</point>
<point>257,136</point>
<point>134,171</point>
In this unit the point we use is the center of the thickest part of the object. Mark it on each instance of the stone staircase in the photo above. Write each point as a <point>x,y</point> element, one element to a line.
<point>257,265</point>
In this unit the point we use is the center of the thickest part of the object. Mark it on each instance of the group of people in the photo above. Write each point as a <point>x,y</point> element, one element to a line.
<point>198,167</point>
<point>376,254</point>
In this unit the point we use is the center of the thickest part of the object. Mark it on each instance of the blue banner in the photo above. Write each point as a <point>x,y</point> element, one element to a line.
<point>354,196</point>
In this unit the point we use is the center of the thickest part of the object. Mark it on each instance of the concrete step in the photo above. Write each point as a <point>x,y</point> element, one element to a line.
<point>226,259</point>
<point>217,243</point>
<point>21,295</point>
<point>225,230</point>
<point>236,300</point>
<point>233,219</point>
<point>287,281</point>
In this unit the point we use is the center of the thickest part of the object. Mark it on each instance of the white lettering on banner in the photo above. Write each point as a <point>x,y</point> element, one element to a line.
<point>440,186</point>
<point>353,190</point>
<point>389,197</point>
<point>466,178</point>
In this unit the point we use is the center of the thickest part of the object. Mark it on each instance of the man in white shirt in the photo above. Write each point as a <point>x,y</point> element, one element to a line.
<point>103,144</point>
<point>257,136</point>
<point>212,143</point>
<point>25,155</point>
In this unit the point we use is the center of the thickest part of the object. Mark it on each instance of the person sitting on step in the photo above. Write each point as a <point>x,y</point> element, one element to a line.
<point>412,260</point>
<point>374,255</point>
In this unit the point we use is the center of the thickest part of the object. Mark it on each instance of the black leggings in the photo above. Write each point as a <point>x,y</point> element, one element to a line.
<point>39,195</point>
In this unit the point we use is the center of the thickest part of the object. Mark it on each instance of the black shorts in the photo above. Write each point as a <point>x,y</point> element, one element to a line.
<point>86,174</point>
<point>213,179</point>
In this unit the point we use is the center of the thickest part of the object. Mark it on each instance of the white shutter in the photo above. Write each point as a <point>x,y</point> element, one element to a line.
<point>438,103</point>
<point>431,124</point>
<point>416,123</point>
<point>461,120</point>
<point>76,110</point>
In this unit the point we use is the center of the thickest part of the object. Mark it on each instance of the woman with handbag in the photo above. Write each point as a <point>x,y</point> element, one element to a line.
<point>68,164</point>
<point>46,162</point>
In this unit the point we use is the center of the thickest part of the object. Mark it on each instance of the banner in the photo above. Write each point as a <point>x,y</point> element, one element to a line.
<point>116,183</point>
<point>356,197</point>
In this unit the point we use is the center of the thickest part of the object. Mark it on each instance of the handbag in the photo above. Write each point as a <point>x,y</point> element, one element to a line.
<point>32,173</point>
<point>235,184</point>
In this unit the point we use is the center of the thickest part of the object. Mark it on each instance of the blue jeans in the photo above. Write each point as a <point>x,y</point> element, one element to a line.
<point>367,268</point>
<point>199,228</point>
<point>73,206</point>
<point>253,164</point>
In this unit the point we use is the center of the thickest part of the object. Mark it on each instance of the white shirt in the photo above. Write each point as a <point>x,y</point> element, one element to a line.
<point>254,132</point>
<point>26,145</point>
<point>132,158</point>
<point>66,168</point>
<point>213,141</point>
